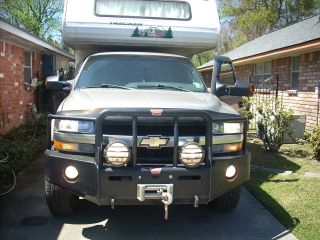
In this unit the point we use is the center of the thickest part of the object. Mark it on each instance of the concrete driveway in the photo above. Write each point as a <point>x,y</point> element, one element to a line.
<point>24,215</point>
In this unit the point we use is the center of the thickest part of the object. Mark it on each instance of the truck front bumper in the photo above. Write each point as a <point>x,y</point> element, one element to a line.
<point>103,185</point>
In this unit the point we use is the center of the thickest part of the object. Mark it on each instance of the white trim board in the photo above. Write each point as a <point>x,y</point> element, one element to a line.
<point>31,38</point>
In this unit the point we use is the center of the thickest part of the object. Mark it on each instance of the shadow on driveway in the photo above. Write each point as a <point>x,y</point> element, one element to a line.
<point>258,177</point>
<point>24,215</point>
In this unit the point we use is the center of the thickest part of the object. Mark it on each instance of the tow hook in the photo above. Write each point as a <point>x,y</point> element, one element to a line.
<point>196,201</point>
<point>112,203</point>
<point>167,200</point>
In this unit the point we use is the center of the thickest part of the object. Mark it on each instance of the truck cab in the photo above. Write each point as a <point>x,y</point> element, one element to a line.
<point>141,127</point>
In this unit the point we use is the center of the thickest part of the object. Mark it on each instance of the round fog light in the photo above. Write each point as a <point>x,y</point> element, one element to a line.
<point>231,172</point>
<point>71,172</point>
<point>117,154</point>
<point>191,154</point>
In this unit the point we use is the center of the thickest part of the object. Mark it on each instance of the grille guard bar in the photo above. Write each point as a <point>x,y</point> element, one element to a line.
<point>135,113</point>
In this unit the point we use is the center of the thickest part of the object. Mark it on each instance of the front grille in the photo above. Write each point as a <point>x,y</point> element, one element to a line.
<point>125,129</point>
<point>192,130</point>
<point>117,129</point>
<point>154,127</point>
<point>154,156</point>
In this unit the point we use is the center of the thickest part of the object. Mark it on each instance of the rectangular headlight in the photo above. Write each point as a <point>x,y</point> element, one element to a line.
<point>227,128</point>
<point>227,137</point>
<point>74,126</point>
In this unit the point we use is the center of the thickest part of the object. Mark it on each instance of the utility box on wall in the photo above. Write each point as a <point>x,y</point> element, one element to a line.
<point>298,127</point>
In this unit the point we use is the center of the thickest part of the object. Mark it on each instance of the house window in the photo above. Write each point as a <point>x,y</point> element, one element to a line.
<point>262,72</point>
<point>27,67</point>
<point>295,72</point>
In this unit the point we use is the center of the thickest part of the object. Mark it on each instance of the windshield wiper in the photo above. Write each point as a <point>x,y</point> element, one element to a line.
<point>108,86</point>
<point>160,86</point>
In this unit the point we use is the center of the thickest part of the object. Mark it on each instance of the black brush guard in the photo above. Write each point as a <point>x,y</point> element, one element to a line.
<point>135,113</point>
<point>100,183</point>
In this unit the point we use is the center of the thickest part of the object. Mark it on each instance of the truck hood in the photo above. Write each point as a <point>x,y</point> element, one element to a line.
<point>102,98</point>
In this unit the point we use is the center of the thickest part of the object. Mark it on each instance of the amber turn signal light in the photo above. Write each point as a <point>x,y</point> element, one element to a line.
<point>237,147</point>
<point>64,146</point>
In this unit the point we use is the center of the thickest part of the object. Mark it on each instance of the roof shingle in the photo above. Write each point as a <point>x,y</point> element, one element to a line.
<point>301,32</point>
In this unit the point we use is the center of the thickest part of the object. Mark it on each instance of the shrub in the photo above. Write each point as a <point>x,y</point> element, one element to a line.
<point>273,123</point>
<point>247,104</point>
<point>313,138</point>
<point>23,144</point>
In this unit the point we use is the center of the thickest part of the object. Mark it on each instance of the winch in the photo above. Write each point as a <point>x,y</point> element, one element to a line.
<point>163,192</point>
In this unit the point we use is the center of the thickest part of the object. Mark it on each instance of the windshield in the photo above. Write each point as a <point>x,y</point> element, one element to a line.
<point>140,72</point>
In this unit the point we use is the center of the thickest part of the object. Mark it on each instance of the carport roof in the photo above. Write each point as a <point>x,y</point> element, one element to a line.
<point>302,32</point>
<point>22,38</point>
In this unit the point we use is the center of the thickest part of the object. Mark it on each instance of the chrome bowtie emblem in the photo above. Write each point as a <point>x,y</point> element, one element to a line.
<point>154,142</point>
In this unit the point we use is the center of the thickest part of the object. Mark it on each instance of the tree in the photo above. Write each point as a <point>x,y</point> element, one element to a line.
<point>168,33</point>
<point>246,20</point>
<point>201,58</point>
<point>136,32</point>
<point>40,17</point>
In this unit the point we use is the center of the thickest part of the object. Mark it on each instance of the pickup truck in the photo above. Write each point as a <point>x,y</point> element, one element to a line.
<point>143,128</point>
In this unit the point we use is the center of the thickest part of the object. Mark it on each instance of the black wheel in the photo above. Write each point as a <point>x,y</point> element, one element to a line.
<point>228,201</point>
<point>60,201</point>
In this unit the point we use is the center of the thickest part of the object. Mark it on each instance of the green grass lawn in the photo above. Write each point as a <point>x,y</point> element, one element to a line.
<point>293,199</point>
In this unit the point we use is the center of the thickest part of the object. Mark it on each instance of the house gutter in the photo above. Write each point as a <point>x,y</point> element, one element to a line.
<point>280,53</point>
<point>31,38</point>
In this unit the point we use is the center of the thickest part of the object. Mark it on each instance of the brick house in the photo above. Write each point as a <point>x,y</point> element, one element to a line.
<point>24,60</point>
<point>292,53</point>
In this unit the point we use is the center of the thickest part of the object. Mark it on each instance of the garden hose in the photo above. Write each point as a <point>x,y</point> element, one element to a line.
<point>3,163</point>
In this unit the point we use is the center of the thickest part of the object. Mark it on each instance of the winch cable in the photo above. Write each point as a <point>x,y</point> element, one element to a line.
<point>3,163</point>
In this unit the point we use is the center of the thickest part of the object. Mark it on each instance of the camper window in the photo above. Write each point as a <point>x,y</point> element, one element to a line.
<point>144,9</point>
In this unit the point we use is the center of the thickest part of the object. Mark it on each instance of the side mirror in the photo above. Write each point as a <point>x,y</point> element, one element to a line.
<point>224,80</point>
<point>53,83</point>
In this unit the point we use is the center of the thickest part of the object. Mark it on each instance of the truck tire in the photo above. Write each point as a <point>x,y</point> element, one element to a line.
<point>60,201</point>
<point>228,201</point>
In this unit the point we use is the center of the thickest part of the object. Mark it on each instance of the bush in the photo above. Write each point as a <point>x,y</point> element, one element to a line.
<point>313,138</point>
<point>23,144</point>
<point>247,104</point>
<point>273,123</point>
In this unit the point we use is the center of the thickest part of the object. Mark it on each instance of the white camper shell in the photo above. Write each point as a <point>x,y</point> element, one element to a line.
<point>175,26</point>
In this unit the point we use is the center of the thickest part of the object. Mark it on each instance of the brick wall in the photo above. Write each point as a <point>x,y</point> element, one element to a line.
<point>14,95</point>
<point>310,71</point>
<point>244,72</point>
<point>305,101</point>
<point>282,67</point>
